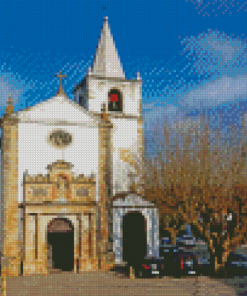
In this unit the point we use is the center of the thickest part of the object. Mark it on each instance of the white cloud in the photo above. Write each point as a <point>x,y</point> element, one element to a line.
<point>228,49</point>
<point>215,93</point>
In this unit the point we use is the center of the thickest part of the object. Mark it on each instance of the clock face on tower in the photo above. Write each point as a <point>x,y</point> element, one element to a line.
<point>60,139</point>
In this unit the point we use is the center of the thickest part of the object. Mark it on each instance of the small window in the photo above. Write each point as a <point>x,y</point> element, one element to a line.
<point>60,139</point>
<point>115,101</point>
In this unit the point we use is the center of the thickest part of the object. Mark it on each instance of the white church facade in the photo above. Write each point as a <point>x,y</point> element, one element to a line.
<point>67,172</point>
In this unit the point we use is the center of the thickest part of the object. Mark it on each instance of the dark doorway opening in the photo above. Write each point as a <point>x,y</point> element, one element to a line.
<point>60,244</point>
<point>134,237</point>
<point>62,250</point>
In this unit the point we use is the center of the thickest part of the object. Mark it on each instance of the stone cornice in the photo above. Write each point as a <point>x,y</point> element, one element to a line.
<point>104,124</point>
<point>61,123</point>
<point>118,206</point>
<point>55,204</point>
<point>117,115</point>
<point>113,79</point>
<point>91,125</point>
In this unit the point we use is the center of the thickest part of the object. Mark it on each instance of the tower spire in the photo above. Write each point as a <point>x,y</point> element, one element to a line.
<point>106,62</point>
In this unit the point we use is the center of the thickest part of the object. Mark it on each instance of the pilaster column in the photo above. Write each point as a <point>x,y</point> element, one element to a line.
<point>93,235</point>
<point>39,246</point>
<point>87,242</point>
<point>29,262</point>
<point>10,247</point>
<point>83,243</point>
<point>85,233</point>
<point>105,183</point>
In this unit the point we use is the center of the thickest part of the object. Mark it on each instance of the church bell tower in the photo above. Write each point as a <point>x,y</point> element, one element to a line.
<point>105,81</point>
<point>105,84</point>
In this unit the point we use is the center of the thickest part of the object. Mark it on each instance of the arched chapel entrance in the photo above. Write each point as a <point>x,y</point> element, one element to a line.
<point>135,228</point>
<point>134,237</point>
<point>60,245</point>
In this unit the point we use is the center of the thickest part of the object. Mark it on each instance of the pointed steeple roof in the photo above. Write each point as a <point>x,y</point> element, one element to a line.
<point>106,61</point>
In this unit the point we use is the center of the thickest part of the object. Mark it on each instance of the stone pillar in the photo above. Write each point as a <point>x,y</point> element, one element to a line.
<point>49,258</point>
<point>10,247</point>
<point>118,214</point>
<point>39,247</point>
<point>84,243</point>
<point>105,189</point>
<point>93,244</point>
<point>29,261</point>
<point>45,249</point>
<point>87,257</point>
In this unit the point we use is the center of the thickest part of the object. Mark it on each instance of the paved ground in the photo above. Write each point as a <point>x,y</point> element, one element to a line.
<point>113,284</point>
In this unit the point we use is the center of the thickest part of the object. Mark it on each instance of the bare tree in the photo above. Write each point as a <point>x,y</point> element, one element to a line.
<point>203,184</point>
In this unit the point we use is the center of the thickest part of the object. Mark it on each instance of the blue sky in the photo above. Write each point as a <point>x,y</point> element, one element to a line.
<point>192,55</point>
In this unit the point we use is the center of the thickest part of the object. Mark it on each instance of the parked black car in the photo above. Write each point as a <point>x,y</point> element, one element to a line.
<point>185,264</point>
<point>236,264</point>
<point>148,267</point>
<point>204,267</point>
<point>177,262</point>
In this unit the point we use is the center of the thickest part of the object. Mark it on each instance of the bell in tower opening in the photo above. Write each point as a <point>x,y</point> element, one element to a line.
<point>115,101</point>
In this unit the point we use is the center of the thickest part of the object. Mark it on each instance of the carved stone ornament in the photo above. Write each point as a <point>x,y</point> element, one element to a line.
<point>60,139</point>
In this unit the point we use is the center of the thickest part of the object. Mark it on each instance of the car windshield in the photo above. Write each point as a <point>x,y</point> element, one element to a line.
<point>236,257</point>
<point>242,256</point>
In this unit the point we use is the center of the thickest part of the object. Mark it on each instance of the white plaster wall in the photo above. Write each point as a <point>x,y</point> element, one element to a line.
<point>35,153</point>
<point>124,137</point>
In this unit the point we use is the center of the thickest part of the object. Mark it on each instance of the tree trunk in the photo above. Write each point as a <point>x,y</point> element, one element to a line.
<point>173,234</point>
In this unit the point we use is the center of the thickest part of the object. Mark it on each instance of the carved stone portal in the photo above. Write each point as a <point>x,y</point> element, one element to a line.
<point>59,185</point>
<point>48,199</point>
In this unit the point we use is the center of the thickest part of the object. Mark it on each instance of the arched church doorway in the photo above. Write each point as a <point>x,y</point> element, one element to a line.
<point>134,237</point>
<point>60,245</point>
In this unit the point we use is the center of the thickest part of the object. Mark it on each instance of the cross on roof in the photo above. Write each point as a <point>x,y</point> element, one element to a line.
<point>60,76</point>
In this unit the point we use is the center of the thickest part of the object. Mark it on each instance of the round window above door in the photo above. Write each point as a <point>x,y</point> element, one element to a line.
<point>60,139</point>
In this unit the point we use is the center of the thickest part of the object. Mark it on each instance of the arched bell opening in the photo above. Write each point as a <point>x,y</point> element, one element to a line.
<point>115,100</point>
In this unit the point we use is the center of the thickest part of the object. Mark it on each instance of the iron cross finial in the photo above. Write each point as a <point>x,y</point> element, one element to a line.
<point>60,76</point>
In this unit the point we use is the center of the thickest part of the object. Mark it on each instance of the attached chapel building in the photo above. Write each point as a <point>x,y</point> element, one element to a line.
<point>67,202</point>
